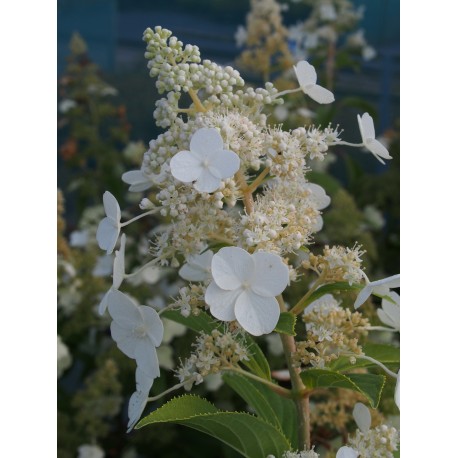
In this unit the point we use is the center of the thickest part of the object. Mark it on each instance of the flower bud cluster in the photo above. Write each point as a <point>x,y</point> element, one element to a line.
<point>331,331</point>
<point>317,141</point>
<point>191,300</point>
<point>378,442</point>
<point>212,352</point>
<point>337,264</point>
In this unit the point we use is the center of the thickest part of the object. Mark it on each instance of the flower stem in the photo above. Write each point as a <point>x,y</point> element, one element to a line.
<point>142,268</point>
<point>287,91</point>
<point>378,363</point>
<point>284,392</point>
<point>254,185</point>
<point>247,194</point>
<point>173,388</point>
<point>341,142</point>
<point>299,307</point>
<point>154,210</point>
<point>195,98</point>
<point>301,398</point>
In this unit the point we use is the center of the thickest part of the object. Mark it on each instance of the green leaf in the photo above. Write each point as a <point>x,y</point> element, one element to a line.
<point>257,363</point>
<point>330,288</point>
<point>370,385</point>
<point>286,324</point>
<point>276,410</point>
<point>386,354</point>
<point>252,437</point>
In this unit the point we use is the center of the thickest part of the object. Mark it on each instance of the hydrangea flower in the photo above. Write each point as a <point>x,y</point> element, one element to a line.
<point>110,226</point>
<point>90,451</point>
<point>306,75</point>
<point>380,288</point>
<point>362,417</point>
<point>244,287</point>
<point>118,274</point>
<point>367,129</point>
<point>390,313</point>
<point>207,162</point>
<point>347,452</point>
<point>197,267</point>
<point>137,330</point>
<point>139,398</point>
<point>140,181</point>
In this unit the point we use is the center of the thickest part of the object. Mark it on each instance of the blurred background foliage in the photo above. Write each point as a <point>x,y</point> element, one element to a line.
<point>105,120</point>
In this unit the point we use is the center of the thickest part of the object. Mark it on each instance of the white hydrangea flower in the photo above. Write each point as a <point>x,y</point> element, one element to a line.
<point>103,267</point>
<point>90,451</point>
<point>197,267</point>
<point>64,358</point>
<point>140,181</point>
<point>139,398</point>
<point>307,77</point>
<point>79,239</point>
<point>380,288</point>
<point>244,287</point>
<point>362,417</point>
<point>367,129</point>
<point>390,313</point>
<point>397,391</point>
<point>110,226</point>
<point>137,330</point>
<point>118,274</point>
<point>207,162</point>
<point>347,452</point>
<point>328,12</point>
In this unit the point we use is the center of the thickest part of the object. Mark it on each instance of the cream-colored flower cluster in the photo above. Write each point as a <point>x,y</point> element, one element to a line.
<point>378,442</point>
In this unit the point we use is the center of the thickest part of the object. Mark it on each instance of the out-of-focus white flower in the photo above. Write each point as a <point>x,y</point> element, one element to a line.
<point>368,53</point>
<point>207,162</point>
<point>139,398</point>
<point>328,12</point>
<point>306,75</point>
<point>90,451</point>
<point>379,288</point>
<point>64,358</point>
<point>367,129</point>
<point>281,112</point>
<point>79,239</point>
<point>397,391</point>
<point>274,344</point>
<point>118,274</point>
<point>240,36</point>
<point>390,313</point>
<point>197,267</point>
<point>66,105</point>
<point>362,417</point>
<point>137,330</point>
<point>213,382</point>
<point>347,452</point>
<point>104,266</point>
<point>374,217</point>
<point>140,181</point>
<point>318,195</point>
<point>110,226</point>
<point>244,287</point>
<point>306,113</point>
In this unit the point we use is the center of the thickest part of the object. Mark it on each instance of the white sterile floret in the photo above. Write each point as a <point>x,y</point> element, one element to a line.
<point>140,181</point>
<point>362,417</point>
<point>306,75</point>
<point>110,226</point>
<point>207,163</point>
<point>347,452</point>
<point>197,267</point>
<point>390,313</point>
<point>139,398</point>
<point>379,288</point>
<point>244,287</point>
<point>90,451</point>
<point>118,274</point>
<point>367,129</point>
<point>137,330</point>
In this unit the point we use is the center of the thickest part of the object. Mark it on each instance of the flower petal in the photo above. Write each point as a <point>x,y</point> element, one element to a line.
<point>124,339</point>
<point>154,324</point>
<point>107,234</point>
<point>207,182</point>
<point>271,275</point>
<point>305,73</point>
<point>362,417</point>
<point>390,282</point>
<point>366,126</point>
<point>318,195</point>
<point>256,314</point>
<point>231,267</point>
<point>377,149</point>
<point>221,302</point>
<point>137,404</point>
<point>206,140</point>
<point>118,264</point>
<point>227,163</point>
<point>104,303</point>
<point>146,357</point>
<point>363,295</point>
<point>137,180</point>
<point>123,310</point>
<point>397,391</point>
<point>186,166</point>
<point>143,382</point>
<point>319,94</point>
<point>111,206</point>
<point>347,452</point>
<point>390,311</point>
<point>197,267</point>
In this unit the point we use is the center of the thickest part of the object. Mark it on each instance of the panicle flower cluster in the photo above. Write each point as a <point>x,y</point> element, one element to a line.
<point>378,442</point>
<point>331,331</point>
<point>299,454</point>
<point>337,264</point>
<point>191,300</point>
<point>212,352</point>
<point>318,141</point>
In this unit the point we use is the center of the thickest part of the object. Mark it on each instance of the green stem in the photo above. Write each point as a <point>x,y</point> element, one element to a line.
<point>300,305</point>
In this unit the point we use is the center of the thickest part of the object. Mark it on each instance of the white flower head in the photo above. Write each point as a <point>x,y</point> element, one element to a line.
<point>347,452</point>
<point>380,288</point>
<point>118,274</point>
<point>137,330</point>
<point>390,313</point>
<point>104,266</point>
<point>79,239</point>
<point>244,287</point>
<point>306,75</point>
<point>139,398</point>
<point>207,162</point>
<point>110,226</point>
<point>367,129</point>
<point>197,267</point>
<point>362,417</point>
